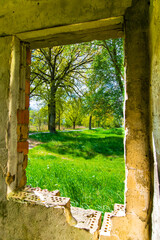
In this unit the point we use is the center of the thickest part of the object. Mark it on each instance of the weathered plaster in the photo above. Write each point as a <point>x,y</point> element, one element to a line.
<point>5,54</point>
<point>136,224</point>
<point>155,111</point>
<point>155,74</point>
<point>13,106</point>
<point>5,57</point>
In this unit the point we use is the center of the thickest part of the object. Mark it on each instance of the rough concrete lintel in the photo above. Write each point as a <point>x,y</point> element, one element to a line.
<point>110,27</point>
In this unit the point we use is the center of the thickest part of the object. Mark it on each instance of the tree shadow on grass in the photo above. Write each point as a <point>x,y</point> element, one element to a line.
<point>87,148</point>
<point>60,136</point>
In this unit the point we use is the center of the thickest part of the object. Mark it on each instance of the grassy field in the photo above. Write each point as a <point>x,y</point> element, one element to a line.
<point>87,166</point>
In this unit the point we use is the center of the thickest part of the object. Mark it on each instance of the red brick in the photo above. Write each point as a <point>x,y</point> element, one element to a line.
<point>22,147</point>
<point>26,101</point>
<point>28,72</point>
<point>28,56</point>
<point>27,87</point>
<point>23,116</point>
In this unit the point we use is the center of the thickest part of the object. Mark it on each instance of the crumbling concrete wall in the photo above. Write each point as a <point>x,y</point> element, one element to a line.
<point>155,111</point>
<point>27,221</point>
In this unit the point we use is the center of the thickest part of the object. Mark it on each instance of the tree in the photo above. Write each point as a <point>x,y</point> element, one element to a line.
<point>97,103</point>
<point>38,117</point>
<point>93,71</point>
<point>60,106</point>
<point>74,110</point>
<point>106,82</point>
<point>115,51</point>
<point>57,68</point>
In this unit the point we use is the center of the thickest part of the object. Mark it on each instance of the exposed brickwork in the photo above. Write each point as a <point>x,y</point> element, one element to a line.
<point>22,147</point>
<point>105,232</point>
<point>87,219</point>
<point>27,86</point>
<point>23,126</point>
<point>23,116</point>
<point>28,56</point>
<point>26,101</point>
<point>22,132</point>
<point>28,71</point>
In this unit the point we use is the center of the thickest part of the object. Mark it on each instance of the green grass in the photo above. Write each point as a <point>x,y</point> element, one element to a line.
<point>87,166</point>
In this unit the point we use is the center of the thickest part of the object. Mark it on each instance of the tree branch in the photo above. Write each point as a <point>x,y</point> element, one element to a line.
<point>112,58</point>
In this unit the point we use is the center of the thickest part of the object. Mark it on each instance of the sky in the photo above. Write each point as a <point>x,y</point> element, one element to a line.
<point>36,105</point>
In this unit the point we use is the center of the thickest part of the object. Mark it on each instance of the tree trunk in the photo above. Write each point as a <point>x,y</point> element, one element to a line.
<point>113,56</point>
<point>59,121</point>
<point>90,122</point>
<point>74,125</point>
<point>49,117</point>
<point>117,70</point>
<point>52,116</point>
<point>39,126</point>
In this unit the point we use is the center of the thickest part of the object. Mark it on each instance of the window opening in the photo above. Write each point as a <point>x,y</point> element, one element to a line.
<point>76,123</point>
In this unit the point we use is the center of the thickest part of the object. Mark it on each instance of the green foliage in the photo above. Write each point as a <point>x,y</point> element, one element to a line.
<point>93,71</point>
<point>105,84</point>
<point>38,117</point>
<point>107,76</point>
<point>87,166</point>
<point>58,71</point>
<point>73,112</point>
